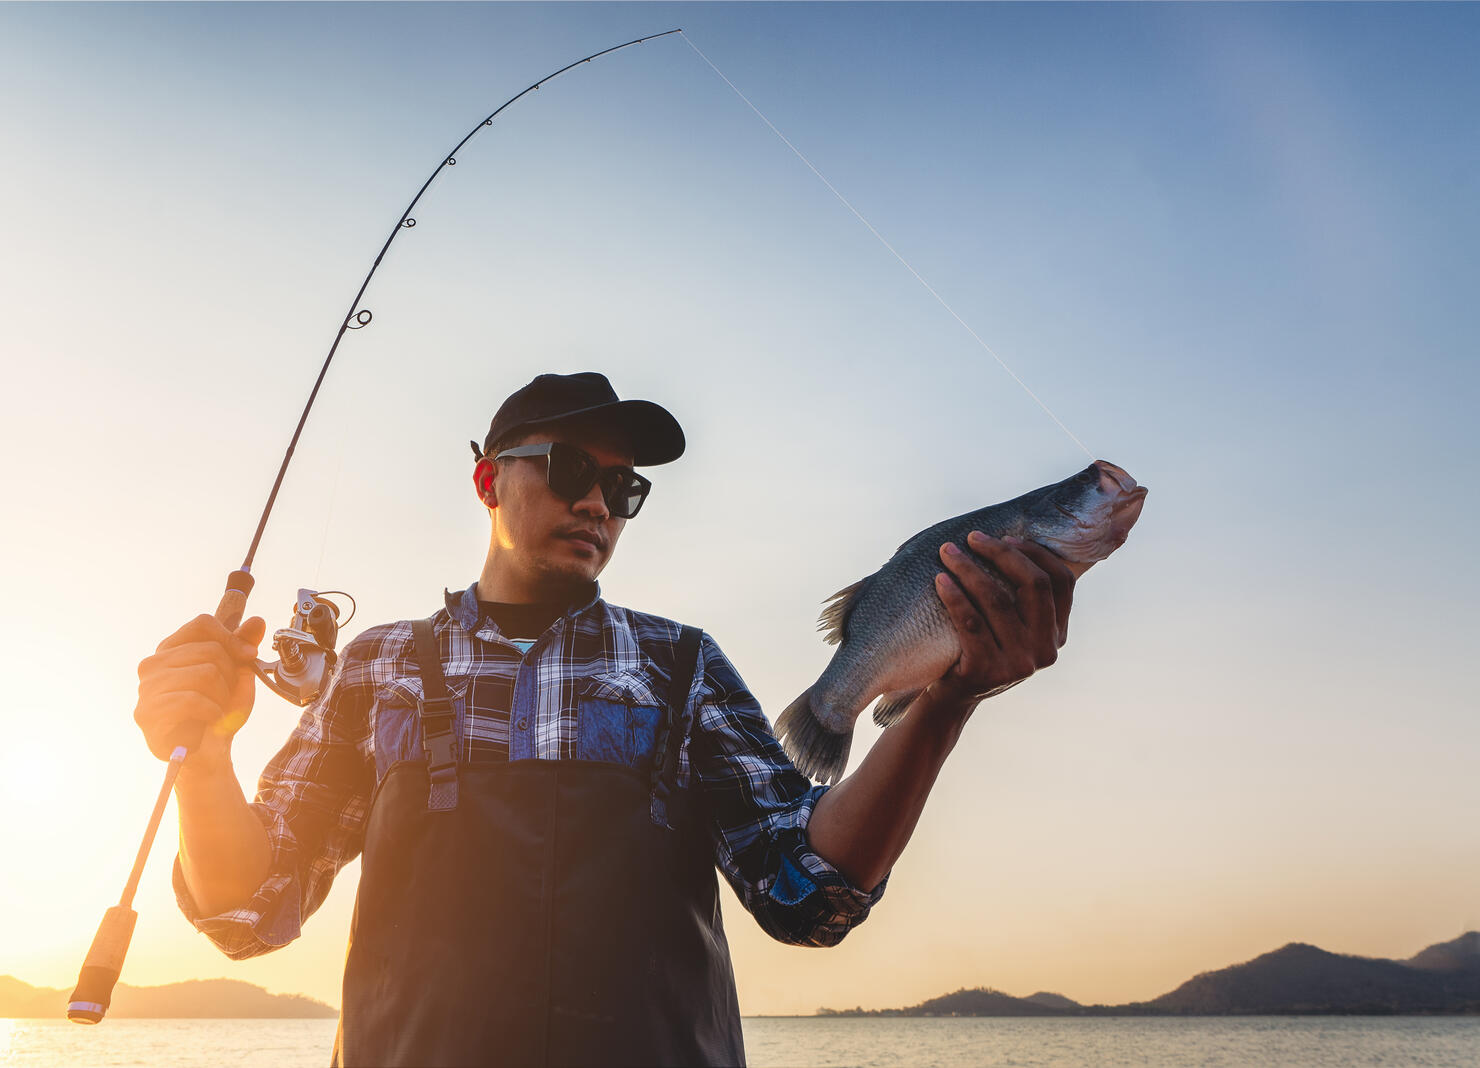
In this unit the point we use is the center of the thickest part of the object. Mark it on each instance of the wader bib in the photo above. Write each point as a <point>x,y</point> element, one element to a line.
<point>537,912</point>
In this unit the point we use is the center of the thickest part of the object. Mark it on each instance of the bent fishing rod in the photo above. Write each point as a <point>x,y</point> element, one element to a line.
<point>305,647</point>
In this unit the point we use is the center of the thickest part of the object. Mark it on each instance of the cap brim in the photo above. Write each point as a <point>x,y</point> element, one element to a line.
<point>654,434</point>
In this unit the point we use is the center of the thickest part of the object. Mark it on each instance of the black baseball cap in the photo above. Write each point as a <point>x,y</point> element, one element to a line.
<point>654,434</point>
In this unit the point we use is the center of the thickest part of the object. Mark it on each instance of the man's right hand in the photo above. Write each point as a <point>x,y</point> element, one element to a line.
<point>201,674</point>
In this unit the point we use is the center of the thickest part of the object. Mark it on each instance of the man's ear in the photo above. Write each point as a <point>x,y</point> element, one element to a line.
<point>483,476</point>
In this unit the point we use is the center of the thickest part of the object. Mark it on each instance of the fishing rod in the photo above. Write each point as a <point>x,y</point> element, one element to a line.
<point>305,647</point>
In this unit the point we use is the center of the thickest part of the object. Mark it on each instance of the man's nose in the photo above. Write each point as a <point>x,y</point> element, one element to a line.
<point>593,504</point>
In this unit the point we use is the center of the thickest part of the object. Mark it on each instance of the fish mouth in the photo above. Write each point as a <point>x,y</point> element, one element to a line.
<point>1128,497</point>
<point>1116,480</point>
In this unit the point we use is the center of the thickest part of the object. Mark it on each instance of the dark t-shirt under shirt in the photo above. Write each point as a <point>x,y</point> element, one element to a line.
<point>526,622</point>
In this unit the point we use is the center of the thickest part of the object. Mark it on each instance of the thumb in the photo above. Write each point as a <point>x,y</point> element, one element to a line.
<point>249,636</point>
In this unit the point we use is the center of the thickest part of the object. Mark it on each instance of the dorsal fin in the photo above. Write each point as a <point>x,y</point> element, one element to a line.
<point>834,619</point>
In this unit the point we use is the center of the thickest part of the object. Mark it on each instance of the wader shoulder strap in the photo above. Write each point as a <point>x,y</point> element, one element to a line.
<point>438,736</point>
<point>672,733</point>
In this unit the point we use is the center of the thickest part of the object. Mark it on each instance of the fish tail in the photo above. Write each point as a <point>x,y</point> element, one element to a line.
<point>818,753</point>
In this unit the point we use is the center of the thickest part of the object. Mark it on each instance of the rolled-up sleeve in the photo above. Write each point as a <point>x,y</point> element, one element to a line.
<point>312,799</point>
<point>760,806</point>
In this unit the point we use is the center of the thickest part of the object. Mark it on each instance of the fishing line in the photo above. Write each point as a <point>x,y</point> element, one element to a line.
<point>329,514</point>
<point>859,216</point>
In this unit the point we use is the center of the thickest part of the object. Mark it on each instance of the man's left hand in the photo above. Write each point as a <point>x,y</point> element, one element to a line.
<point>1011,615</point>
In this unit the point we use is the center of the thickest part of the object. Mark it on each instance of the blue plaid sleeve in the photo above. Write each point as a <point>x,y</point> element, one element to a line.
<point>760,805</point>
<point>312,799</point>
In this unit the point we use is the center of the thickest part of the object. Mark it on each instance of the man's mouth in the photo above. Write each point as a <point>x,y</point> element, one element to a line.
<point>586,537</point>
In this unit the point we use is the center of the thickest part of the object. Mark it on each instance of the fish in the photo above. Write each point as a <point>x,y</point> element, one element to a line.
<point>893,635</point>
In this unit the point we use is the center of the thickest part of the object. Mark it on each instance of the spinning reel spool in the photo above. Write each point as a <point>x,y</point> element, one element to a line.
<point>305,647</point>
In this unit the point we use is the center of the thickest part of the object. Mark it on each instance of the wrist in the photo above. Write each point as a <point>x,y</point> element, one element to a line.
<point>205,771</point>
<point>949,704</point>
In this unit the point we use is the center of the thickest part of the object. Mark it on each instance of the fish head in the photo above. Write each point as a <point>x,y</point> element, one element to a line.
<point>1086,517</point>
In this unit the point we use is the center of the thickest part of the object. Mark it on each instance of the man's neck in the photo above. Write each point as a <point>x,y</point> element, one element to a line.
<point>497,585</point>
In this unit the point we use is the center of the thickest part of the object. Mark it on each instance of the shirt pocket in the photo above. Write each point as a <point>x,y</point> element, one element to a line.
<point>396,720</point>
<point>617,719</point>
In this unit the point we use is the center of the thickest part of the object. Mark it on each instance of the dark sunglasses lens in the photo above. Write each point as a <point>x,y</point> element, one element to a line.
<point>623,491</point>
<point>571,472</point>
<point>625,500</point>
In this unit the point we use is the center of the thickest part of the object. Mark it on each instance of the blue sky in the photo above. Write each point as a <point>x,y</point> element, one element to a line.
<point>1231,246</point>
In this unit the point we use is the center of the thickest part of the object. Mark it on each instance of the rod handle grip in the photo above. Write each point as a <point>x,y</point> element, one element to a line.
<point>234,599</point>
<point>229,614</point>
<point>102,967</point>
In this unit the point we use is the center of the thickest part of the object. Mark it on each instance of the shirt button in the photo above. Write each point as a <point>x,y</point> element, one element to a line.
<point>523,723</point>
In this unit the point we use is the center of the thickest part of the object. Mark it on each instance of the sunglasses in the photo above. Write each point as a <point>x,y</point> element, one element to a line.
<point>571,473</point>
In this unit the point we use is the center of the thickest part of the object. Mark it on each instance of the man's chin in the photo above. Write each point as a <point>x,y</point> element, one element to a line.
<point>561,580</point>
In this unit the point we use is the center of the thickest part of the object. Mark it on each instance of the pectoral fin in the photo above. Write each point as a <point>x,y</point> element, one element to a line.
<point>892,705</point>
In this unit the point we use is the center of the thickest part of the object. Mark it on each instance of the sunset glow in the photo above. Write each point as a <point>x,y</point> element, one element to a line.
<point>1231,245</point>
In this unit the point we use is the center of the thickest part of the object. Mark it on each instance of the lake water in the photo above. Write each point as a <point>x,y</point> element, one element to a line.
<point>1248,1042</point>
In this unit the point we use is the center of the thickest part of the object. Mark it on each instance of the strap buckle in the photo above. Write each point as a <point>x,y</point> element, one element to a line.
<point>438,722</point>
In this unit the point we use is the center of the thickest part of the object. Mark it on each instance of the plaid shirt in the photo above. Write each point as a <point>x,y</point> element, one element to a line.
<point>314,795</point>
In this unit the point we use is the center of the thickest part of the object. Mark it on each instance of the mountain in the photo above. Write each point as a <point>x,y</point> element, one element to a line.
<point>980,1001</point>
<point>1297,978</point>
<point>198,998</point>
<point>1461,955</point>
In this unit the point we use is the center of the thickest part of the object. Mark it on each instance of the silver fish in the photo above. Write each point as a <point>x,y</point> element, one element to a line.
<point>893,635</point>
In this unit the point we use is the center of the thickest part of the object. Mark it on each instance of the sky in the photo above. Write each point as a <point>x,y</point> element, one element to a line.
<point>1232,247</point>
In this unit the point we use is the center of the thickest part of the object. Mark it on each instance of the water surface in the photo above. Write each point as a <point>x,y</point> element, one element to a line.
<point>810,1042</point>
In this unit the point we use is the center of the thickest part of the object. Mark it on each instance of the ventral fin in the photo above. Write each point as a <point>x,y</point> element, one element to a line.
<point>892,705</point>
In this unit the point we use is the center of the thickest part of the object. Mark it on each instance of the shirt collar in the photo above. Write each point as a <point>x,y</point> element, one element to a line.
<point>463,607</point>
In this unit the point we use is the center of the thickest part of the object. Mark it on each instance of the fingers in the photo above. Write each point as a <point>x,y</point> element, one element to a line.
<point>188,655</point>
<point>1009,601</point>
<point>203,628</point>
<point>201,674</point>
<point>988,594</point>
<point>213,677</point>
<point>967,618</point>
<point>1061,580</point>
<point>1042,586</point>
<point>1032,592</point>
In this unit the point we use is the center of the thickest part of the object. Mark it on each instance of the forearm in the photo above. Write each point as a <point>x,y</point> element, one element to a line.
<point>862,824</point>
<point>224,851</point>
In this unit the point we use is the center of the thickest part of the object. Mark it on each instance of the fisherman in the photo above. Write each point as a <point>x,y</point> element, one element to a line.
<point>542,783</point>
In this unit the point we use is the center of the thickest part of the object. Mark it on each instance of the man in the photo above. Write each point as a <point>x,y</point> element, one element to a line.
<point>542,783</point>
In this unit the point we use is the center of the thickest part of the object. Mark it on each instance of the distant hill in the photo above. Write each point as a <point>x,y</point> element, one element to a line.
<point>1053,1001</point>
<point>1297,978</point>
<point>1461,955</point>
<point>198,998</point>
<point>977,1002</point>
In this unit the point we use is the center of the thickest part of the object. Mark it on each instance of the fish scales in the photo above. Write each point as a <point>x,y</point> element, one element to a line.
<point>893,633</point>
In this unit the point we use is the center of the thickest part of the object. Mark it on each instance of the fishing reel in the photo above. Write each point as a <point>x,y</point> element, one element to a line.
<point>305,648</point>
